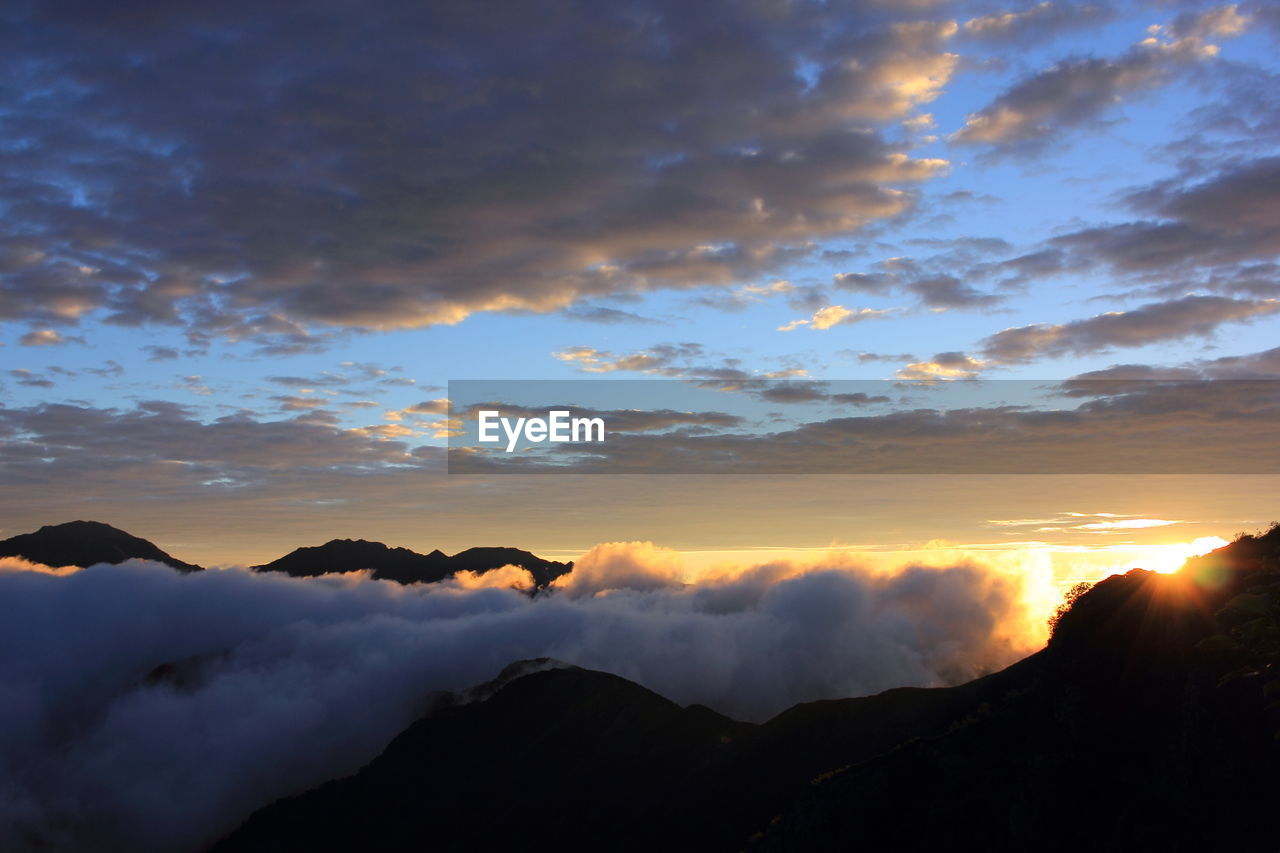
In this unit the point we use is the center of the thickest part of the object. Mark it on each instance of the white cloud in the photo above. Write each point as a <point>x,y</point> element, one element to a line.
<point>836,315</point>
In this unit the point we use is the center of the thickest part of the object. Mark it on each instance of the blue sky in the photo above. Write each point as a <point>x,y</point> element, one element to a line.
<point>307,225</point>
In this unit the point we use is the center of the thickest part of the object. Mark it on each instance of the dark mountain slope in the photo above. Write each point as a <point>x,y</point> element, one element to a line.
<point>85,543</point>
<point>580,760</point>
<point>406,566</point>
<point>564,758</point>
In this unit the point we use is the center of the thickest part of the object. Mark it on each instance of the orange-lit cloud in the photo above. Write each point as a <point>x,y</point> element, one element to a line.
<point>18,564</point>
<point>504,577</point>
<point>614,566</point>
<point>836,315</point>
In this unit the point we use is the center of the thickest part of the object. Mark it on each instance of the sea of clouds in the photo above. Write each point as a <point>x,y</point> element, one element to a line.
<point>271,684</point>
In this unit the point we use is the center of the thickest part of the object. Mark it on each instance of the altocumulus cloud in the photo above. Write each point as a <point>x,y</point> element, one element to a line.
<point>277,683</point>
<point>247,173</point>
<point>1037,109</point>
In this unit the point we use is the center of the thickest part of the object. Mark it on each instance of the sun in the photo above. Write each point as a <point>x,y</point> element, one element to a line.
<point>1167,559</point>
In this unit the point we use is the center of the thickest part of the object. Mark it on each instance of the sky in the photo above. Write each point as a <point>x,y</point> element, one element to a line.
<point>244,252</point>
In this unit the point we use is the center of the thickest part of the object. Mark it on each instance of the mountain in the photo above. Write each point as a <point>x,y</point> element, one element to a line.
<point>86,543</point>
<point>406,566</point>
<point>1150,721</point>
<point>346,555</point>
<point>562,754</point>
<point>573,759</point>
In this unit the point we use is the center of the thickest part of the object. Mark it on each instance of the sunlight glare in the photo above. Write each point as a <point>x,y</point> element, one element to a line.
<point>1167,559</point>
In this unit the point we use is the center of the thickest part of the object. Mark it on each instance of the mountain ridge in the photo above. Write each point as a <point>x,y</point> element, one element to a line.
<point>406,566</point>
<point>87,543</point>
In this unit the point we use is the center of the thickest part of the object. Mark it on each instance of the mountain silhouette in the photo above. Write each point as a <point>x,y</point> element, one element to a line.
<point>86,543</point>
<point>406,566</point>
<point>1150,721</point>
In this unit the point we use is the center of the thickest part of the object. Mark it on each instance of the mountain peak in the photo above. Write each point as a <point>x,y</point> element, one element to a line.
<point>86,543</point>
<point>81,526</point>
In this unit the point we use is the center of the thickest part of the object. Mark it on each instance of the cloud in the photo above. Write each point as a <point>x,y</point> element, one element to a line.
<point>195,385</point>
<point>686,360</point>
<point>639,566</point>
<point>165,446</point>
<point>30,379</point>
<point>740,298</point>
<point>955,427</point>
<point>160,733</point>
<point>503,577</point>
<point>836,315</point>
<point>296,403</point>
<point>1126,524</point>
<point>616,420</point>
<point>159,353</point>
<point>1033,24</point>
<point>864,357</point>
<point>1228,217</point>
<point>348,373</point>
<point>919,123</point>
<point>42,338</point>
<point>932,280</point>
<point>1207,229</point>
<point>1037,109</point>
<point>399,165</point>
<point>1147,324</point>
<point>1109,522</point>
<point>608,316</point>
<point>18,564</point>
<point>1220,22</point>
<point>1266,14</point>
<point>660,358</point>
<point>1258,365</point>
<point>438,406</point>
<point>812,392</point>
<point>944,365</point>
<point>1038,265</point>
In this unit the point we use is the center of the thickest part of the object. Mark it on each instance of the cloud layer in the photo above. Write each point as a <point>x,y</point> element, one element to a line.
<point>269,684</point>
<point>248,174</point>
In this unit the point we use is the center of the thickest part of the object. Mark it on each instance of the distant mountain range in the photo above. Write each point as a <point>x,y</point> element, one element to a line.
<point>405,566</point>
<point>1150,722</point>
<point>87,543</point>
